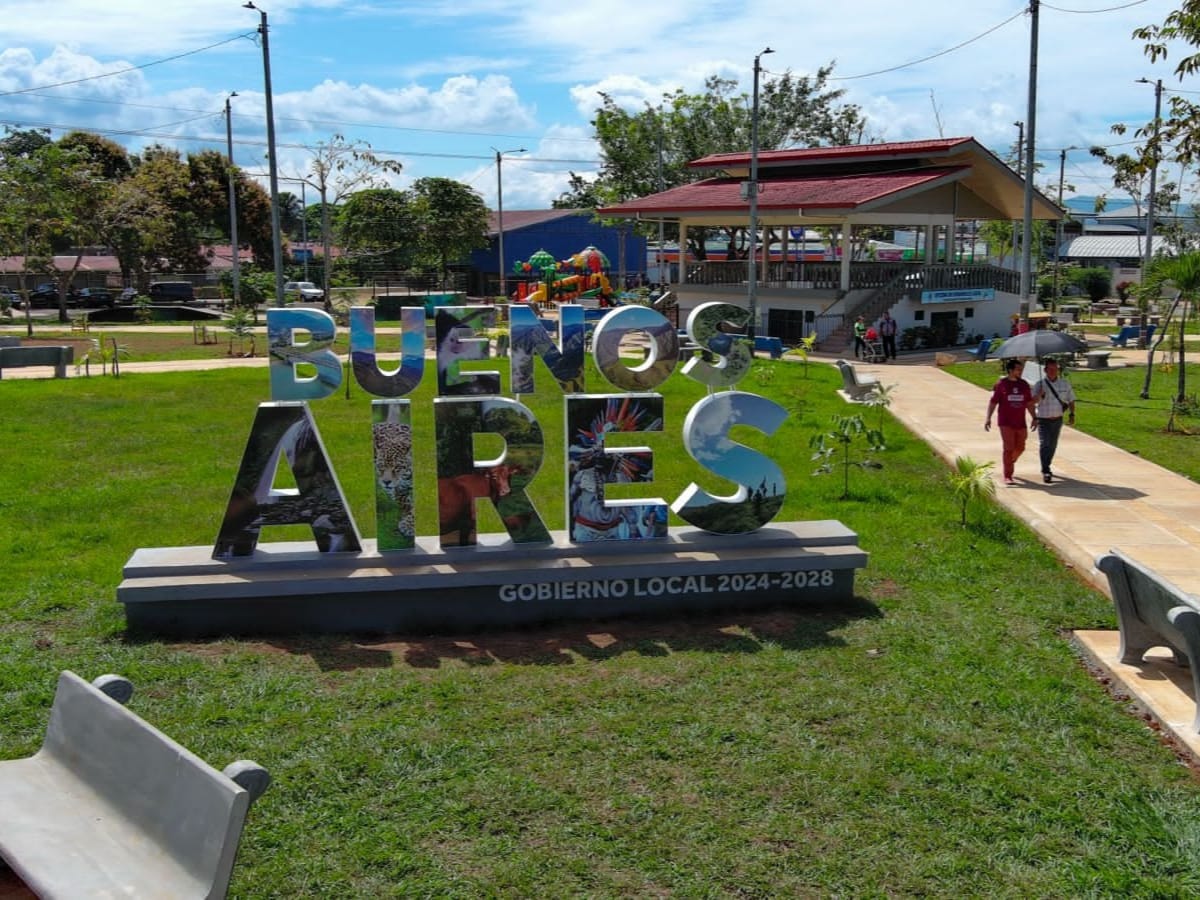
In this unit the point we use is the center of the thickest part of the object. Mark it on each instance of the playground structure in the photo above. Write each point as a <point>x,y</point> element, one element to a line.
<point>578,279</point>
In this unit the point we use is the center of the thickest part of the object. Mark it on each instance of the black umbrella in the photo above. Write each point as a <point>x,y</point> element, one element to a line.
<point>1039,343</point>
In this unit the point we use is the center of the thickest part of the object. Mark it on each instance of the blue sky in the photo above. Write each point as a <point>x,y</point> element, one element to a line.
<point>440,86</point>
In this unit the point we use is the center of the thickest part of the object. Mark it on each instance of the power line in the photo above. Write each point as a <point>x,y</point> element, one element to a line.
<point>1088,12</point>
<point>924,59</point>
<point>157,62</point>
<point>220,140</point>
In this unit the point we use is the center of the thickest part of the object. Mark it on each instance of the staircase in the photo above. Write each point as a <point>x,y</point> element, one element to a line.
<point>870,308</point>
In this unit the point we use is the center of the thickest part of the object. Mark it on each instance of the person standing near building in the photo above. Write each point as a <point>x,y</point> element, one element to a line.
<point>1014,398</point>
<point>860,334</point>
<point>887,331</point>
<point>1054,399</point>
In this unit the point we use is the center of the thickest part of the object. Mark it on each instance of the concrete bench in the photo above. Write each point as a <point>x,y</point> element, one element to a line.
<point>854,385</point>
<point>1097,359</point>
<point>112,807</point>
<point>19,357</point>
<point>1152,612</point>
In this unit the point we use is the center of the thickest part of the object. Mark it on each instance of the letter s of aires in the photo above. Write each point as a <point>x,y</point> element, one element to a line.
<point>761,485</point>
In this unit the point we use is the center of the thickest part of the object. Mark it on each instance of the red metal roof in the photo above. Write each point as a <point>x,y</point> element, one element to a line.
<point>793,193</point>
<point>852,153</point>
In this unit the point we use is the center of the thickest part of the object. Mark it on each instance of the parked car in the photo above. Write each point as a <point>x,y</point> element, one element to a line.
<point>97,298</point>
<point>172,292</point>
<point>127,295</point>
<point>46,296</point>
<point>303,290</point>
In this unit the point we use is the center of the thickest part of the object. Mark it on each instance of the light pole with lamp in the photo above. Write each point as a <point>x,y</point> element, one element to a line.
<point>272,161</point>
<point>750,188</point>
<point>500,217</point>
<point>1062,168</point>
<point>235,269</point>
<point>1148,252</point>
<point>1016,239</point>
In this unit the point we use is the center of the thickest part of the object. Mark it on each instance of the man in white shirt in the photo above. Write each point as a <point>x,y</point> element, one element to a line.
<point>1054,399</point>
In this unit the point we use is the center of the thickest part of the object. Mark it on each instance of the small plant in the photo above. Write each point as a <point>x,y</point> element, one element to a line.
<point>847,430</point>
<point>143,314</point>
<point>802,350</point>
<point>104,356</point>
<point>240,326</point>
<point>971,480</point>
<point>881,399</point>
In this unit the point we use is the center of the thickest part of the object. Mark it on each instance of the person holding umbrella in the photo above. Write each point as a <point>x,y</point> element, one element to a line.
<point>1013,397</point>
<point>1053,398</point>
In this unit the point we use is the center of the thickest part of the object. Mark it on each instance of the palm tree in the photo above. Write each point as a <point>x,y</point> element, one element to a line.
<point>971,480</point>
<point>290,213</point>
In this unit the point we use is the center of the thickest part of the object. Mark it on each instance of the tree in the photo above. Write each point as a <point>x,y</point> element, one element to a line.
<point>380,223</point>
<point>793,111</point>
<point>291,213</point>
<point>1181,129</point>
<point>1184,272</point>
<point>452,220</point>
<point>53,199</point>
<point>338,169</point>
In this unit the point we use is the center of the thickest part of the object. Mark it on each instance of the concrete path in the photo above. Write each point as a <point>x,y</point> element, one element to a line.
<point>1101,498</point>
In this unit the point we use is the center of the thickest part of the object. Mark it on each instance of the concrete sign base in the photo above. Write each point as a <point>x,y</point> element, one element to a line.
<point>288,588</point>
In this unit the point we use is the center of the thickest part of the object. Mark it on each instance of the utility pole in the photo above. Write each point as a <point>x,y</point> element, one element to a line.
<point>500,218</point>
<point>1030,143</point>
<point>233,234</point>
<point>272,159</point>
<point>1058,238</point>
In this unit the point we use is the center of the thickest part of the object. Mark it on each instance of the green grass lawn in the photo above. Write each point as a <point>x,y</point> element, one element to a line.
<point>1110,407</point>
<point>937,737</point>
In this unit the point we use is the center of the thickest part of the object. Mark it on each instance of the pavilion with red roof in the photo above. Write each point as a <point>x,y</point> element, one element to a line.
<point>934,187</point>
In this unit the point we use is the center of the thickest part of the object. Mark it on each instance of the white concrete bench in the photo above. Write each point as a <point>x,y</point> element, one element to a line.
<point>854,385</point>
<point>112,807</point>
<point>1097,359</point>
<point>17,357</point>
<point>1152,612</point>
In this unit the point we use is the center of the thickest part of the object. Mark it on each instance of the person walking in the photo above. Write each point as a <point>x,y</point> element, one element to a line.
<point>1013,397</point>
<point>1053,399</point>
<point>860,334</point>
<point>887,331</point>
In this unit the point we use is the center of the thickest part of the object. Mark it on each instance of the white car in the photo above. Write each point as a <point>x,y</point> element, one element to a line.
<point>304,290</point>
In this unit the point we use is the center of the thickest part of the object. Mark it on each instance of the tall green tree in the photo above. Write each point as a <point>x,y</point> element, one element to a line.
<point>452,220</point>
<point>794,111</point>
<point>379,227</point>
<point>1181,128</point>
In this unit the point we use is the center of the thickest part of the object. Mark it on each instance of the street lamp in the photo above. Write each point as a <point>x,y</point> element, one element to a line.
<point>1149,249</point>
<point>751,188</point>
<point>500,154</point>
<point>276,236</point>
<point>233,235</point>
<point>1062,167</point>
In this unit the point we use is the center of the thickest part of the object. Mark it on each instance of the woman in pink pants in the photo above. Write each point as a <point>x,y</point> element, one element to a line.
<point>1013,396</point>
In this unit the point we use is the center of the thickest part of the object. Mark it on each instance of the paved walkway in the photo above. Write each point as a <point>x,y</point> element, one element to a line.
<point>1101,498</point>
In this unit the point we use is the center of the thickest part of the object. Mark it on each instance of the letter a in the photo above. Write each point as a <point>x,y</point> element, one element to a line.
<point>317,501</point>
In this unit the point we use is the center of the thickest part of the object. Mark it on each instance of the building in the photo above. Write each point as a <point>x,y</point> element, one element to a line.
<point>932,186</point>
